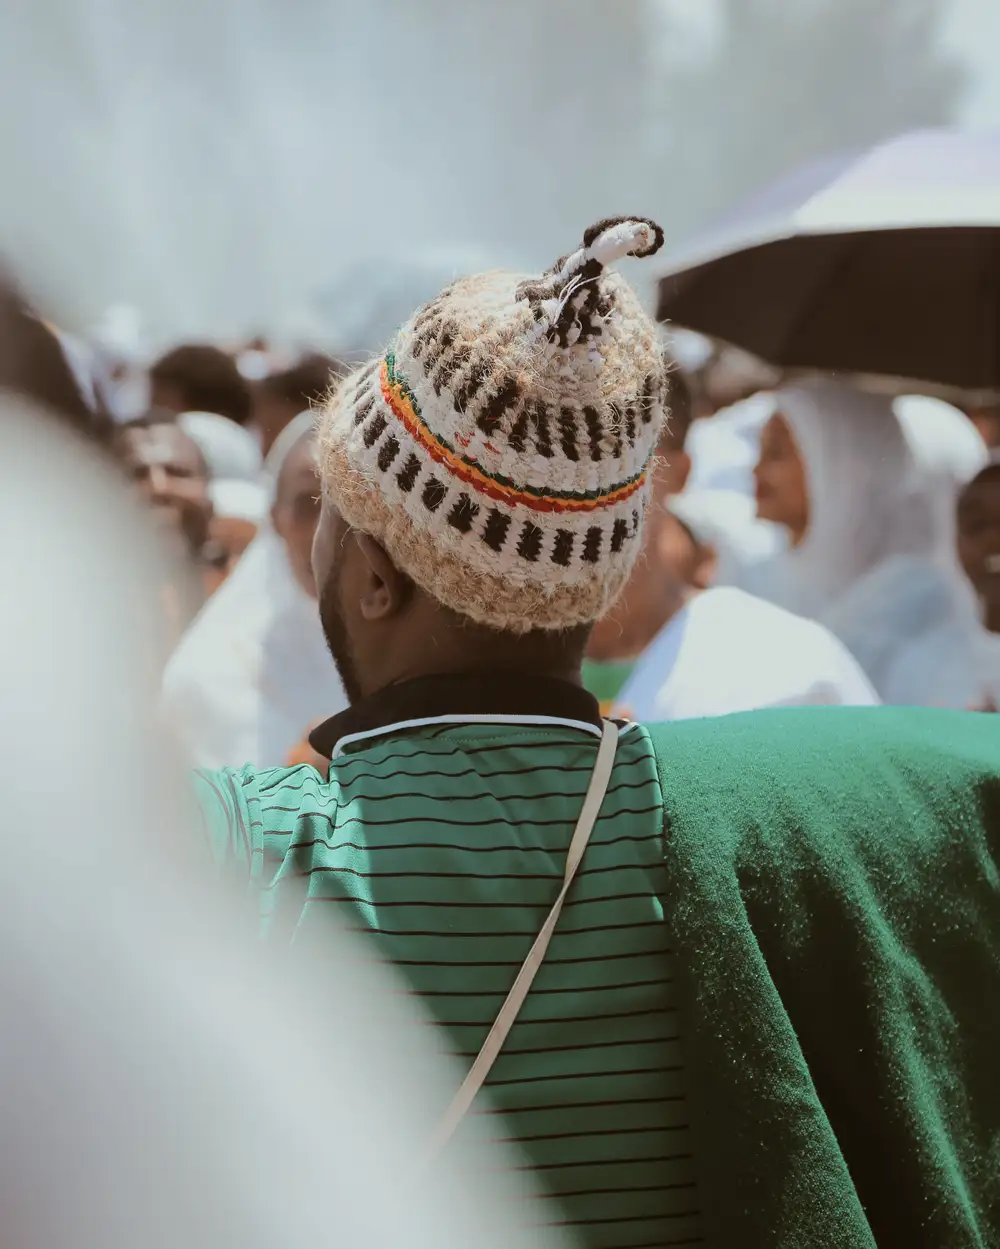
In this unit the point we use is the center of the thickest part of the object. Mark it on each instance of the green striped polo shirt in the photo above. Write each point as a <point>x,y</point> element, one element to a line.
<point>443,841</point>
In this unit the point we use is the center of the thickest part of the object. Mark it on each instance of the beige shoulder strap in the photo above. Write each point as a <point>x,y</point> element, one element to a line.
<point>480,1069</point>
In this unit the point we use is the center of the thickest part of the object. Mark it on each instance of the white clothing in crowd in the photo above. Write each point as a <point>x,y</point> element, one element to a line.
<point>240,500</point>
<point>948,659</point>
<point>877,564</point>
<point>237,486</point>
<point>723,448</point>
<point>726,521</point>
<point>231,452</point>
<point>948,452</point>
<point>956,664</point>
<point>717,503</point>
<point>727,651</point>
<point>863,508</point>
<point>253,673</point>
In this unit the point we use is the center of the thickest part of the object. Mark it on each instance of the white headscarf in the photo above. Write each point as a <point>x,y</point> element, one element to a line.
<point>948,452</point>
<point>877,565</point>
<point>231,452</point>
<point>726,520</point>
<point>941,656</point>
<point>240,500</point>
<point>253,674</point>
<point>863,504</point>
<point>723,448</point>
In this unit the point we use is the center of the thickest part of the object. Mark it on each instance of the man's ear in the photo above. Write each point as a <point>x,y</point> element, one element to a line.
<point>386,591</point>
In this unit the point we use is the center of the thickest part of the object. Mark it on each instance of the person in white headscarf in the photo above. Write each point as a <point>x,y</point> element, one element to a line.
<point>253,674</point>
<point>835,471</point>
<point>868,540</point>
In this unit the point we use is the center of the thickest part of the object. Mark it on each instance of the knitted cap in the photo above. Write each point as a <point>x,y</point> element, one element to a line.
<point>500,449</point>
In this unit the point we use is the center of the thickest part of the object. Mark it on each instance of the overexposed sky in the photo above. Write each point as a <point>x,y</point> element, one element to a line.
<point>974,30</point>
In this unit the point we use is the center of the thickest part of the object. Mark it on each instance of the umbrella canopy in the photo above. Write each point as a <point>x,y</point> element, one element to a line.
<point>885,262</point>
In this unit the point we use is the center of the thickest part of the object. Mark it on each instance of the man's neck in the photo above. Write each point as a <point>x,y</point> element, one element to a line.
<point>488,666</point>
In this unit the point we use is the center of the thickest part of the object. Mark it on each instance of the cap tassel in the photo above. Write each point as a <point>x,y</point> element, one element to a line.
<point>565,298</point>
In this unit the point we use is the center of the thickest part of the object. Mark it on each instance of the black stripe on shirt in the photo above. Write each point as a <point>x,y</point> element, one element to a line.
<point>588,1075</point>
<point>529,1023</point>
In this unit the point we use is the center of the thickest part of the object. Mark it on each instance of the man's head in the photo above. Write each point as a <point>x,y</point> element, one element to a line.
<point>170,474</point>
<point>280,397</point>
<point>979,540</point>
<point>199,378</point>
<point>484,483</point>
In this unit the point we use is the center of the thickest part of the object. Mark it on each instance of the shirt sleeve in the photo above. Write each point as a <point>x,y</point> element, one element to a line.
<point>227,800</point>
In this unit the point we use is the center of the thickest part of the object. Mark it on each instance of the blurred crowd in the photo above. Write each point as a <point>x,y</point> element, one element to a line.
<point>324,599</point>
<point>812,541</point>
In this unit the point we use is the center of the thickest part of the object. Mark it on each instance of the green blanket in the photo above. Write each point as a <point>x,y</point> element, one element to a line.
<point>835,902</point>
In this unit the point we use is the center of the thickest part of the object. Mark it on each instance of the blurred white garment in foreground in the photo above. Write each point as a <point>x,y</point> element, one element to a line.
<point>166,1081</point>
<point>727,651</point>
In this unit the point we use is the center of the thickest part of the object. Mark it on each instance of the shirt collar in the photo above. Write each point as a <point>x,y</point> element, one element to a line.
<point>522,697</point>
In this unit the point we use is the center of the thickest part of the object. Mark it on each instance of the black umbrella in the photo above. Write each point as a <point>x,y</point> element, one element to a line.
<point>883,263</point>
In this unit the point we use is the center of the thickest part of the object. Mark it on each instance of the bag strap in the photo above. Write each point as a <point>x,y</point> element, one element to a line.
<point>487,1056</point>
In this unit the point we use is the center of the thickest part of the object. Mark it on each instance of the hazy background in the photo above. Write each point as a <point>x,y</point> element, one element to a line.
<point>219,162</point>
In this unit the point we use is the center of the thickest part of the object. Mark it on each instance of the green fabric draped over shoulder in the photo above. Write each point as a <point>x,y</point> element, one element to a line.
<point>834,901</point>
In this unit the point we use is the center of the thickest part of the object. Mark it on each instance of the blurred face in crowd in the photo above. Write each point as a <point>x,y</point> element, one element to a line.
<point>228,539</point>
<point>987,421</point>
<point>780,480</point>
<point>271,413</point>
<point>689,562</point>
<point>673,565</point>
<point>656,587</point>
<point>170,474</point>
<point>979,540</point>
<point>297,508</point>
<point>232,535</point>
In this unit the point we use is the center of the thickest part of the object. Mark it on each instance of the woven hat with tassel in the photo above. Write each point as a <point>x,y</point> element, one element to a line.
<point>500,448</point>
